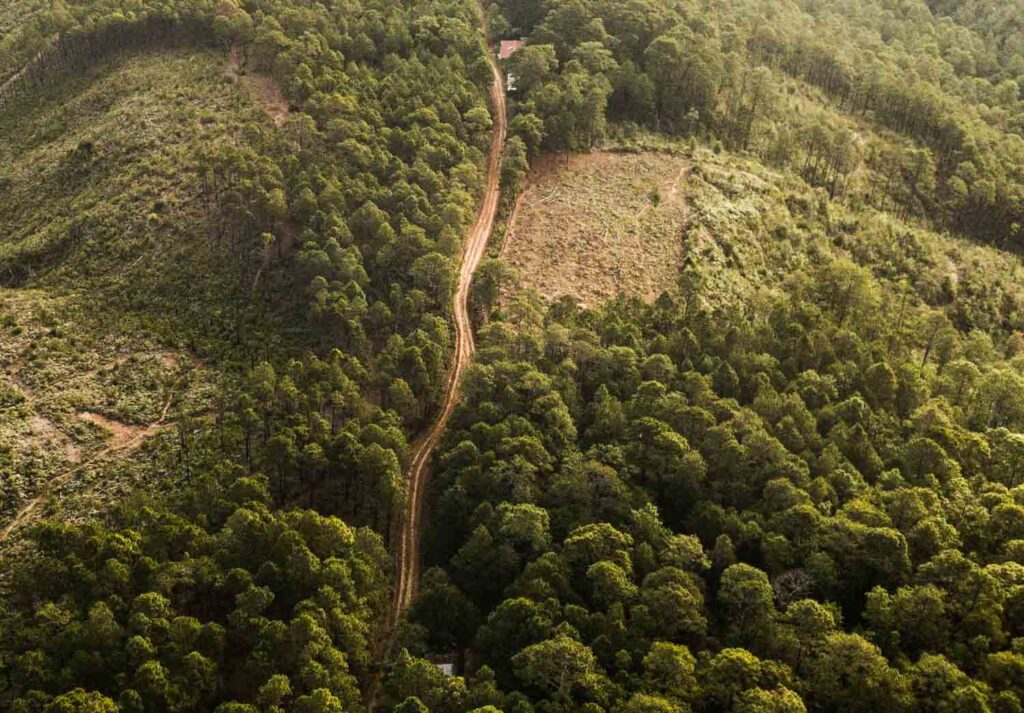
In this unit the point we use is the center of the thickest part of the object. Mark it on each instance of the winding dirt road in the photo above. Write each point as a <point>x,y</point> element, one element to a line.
<point>407,577</point>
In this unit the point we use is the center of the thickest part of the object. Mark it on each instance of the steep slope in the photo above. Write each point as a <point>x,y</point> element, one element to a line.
<point>113,271</point>
<point>103,188</point>
<point>306,250</point>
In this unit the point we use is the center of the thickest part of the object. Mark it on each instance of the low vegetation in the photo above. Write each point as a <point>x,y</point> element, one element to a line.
<point>75,398</point>
<point>112,285</point>
<point>600,225</point>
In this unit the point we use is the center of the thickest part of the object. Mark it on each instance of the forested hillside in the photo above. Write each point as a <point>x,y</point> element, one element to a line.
<point>789,476</point>
<point>885,103</point>
<point>308,257</point>
<point>793,482</point>
<point>818,500</point>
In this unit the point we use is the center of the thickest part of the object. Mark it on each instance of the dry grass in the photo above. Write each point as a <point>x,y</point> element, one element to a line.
<point>602,225</point>
<point>738,229</point>
<point>75,399</point>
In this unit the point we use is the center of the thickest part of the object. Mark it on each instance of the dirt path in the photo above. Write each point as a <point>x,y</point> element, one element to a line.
<point>407,578</point>
<point>411,528</point>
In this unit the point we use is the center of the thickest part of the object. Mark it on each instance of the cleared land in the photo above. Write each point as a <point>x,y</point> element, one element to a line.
<point>733,232</point>
<point>113,275</point>
<point>603,225</point>
<point>75,402</point>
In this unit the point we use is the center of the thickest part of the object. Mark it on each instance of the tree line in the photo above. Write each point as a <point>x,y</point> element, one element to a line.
<point>944,142</point>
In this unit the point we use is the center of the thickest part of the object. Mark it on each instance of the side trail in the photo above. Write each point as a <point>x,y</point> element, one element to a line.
<point>408,570</point>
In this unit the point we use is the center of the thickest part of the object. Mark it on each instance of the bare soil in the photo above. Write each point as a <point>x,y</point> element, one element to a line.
<point>120,432</point>
<point>601,224</point>
<point>261,88</point>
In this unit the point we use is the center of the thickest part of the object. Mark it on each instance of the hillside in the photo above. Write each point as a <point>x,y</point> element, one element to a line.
<point>727,415</point>
<point>786,476</point>
<point>113,271</point>
<point>903,111</point>
<point>736,229</point>
<point>228,252</point>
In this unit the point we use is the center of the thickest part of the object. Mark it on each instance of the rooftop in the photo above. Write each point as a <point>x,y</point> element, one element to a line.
<point>509,48</point>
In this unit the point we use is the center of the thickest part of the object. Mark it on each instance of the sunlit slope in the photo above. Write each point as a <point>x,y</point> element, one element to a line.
<point>128,278</point>
<point>666,218</point>
<point>112,185</point>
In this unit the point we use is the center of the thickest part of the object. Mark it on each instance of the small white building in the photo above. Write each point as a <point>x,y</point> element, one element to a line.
<point>506,50</point>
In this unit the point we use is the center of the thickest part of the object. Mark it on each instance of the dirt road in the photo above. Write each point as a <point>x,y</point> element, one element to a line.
<point>407,577</point>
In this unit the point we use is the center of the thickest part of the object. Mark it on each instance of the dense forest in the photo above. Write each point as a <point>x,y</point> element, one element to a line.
<point>721,513</point>
<point>803,498</point>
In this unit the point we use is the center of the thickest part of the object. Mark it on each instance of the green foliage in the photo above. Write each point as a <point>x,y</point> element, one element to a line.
<point>899,108</point>
<point>310,253</point>
<point>228,603</point>
<point>806,498</point>
<point>717,512</point>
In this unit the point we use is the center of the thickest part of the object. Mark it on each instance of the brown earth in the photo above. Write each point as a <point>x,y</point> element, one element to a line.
<point>120,432</point>
<point>261,88</point>
<point>125,439</point>
<point>599,225</point>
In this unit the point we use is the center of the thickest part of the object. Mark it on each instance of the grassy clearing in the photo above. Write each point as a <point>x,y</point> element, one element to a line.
<point>603,225</point>
<point>734,232</point>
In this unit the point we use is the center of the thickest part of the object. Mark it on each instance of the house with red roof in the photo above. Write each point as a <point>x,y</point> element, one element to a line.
<point>506,49</point>
<point>509,48</point>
